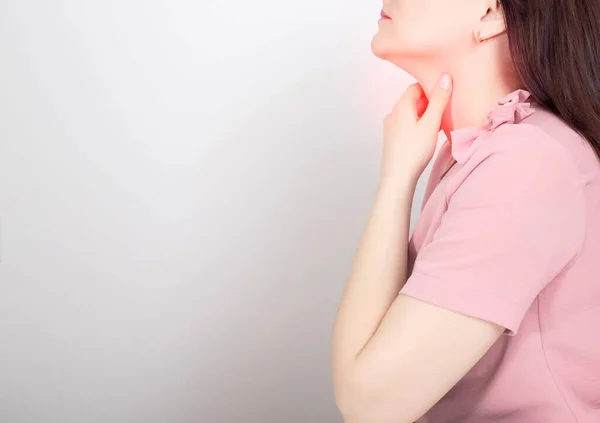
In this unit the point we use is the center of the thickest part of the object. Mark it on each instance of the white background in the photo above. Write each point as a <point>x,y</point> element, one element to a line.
<point>182,188</point>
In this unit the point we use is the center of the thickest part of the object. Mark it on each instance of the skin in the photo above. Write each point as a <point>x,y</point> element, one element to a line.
<point>394,357</point>
<point>429,37</point>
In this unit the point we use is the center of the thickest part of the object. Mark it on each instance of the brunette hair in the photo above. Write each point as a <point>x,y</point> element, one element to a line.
<point>555,47</point>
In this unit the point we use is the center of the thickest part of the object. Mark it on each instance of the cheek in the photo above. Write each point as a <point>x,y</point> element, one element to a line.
<point>424,28</point>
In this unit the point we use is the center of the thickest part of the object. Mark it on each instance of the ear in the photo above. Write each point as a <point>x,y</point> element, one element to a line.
<point>492,21</point>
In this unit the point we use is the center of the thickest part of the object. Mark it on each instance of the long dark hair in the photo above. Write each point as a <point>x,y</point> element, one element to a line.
<point>555,47</point>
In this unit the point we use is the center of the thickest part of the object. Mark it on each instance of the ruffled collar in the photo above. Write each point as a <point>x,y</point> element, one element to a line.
<point>509,110</point>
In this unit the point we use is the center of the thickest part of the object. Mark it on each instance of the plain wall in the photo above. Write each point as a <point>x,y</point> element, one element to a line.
<point>183,185</point>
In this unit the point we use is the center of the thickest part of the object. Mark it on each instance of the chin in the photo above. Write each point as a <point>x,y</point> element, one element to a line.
<point>381,48</point>
<point>405,58</point>
<point>376,47</point>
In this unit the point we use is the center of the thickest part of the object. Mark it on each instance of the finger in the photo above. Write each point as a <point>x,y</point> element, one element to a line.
<point>438,100</point>
<point>408,102</point>
<point>422,106</point>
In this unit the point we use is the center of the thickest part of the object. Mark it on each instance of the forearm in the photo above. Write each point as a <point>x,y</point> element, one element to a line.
<point>376,276</point>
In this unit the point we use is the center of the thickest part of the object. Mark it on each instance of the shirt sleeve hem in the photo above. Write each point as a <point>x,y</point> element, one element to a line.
<point>465,300</point>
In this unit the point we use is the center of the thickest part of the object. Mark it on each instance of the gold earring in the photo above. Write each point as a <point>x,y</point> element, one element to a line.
<point>478,37</point>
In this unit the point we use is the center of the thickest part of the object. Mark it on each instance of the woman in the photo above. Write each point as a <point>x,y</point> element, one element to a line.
<point>489,311</point>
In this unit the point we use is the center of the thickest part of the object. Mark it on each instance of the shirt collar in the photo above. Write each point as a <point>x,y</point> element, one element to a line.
<point>511,109</point>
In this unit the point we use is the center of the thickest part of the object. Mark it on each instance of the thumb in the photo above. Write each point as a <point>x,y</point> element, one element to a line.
<point>438,102</point>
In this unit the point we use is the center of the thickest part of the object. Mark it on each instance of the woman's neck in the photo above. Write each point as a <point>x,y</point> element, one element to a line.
<point>475,92</point>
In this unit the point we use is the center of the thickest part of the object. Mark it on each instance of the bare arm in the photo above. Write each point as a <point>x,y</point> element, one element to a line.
<point>375,278</point>
<point>394,357</point>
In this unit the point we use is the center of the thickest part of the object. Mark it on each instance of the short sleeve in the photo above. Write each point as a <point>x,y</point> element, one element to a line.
<point>512,226</point>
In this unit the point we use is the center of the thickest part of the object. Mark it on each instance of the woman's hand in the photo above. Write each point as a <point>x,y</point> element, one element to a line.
<point>411,131</point>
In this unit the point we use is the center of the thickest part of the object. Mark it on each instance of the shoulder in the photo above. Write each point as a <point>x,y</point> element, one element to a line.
<point>535,149</point>
<point>519,163</point>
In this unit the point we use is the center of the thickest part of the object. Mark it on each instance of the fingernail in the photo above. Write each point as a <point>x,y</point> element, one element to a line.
<point>446,82</point>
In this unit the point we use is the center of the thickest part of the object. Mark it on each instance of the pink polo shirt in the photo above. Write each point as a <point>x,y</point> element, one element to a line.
<point>511,235</point>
